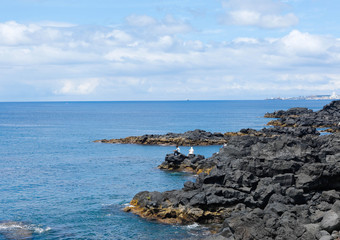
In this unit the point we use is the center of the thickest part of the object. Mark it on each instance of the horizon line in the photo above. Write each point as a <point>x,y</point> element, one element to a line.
<point>187,100</point>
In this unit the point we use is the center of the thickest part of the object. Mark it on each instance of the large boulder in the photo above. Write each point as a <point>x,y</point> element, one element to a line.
<point>330,221</point>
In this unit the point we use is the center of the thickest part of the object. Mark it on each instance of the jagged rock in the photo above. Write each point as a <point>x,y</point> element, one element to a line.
<point>189,138</point>
<point>326,237</point>
<point>296,195</point>
<point>329,116</point>
<point>284,179</point>
<point>317,216</point>
<point>282,183</point>
<point>287,190</point>
<point>298,111</point>
<point>335,234</point>
<point>330,221</point>
<point>296,132</point>
<point>313,230</point>
<point>330,196</point>
<point>204,138</point>
<point>181,162</point>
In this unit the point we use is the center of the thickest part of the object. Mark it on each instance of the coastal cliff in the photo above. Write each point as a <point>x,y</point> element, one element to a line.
<point>276,183</point>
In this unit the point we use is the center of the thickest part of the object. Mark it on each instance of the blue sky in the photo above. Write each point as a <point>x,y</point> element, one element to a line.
<point>63,50</point>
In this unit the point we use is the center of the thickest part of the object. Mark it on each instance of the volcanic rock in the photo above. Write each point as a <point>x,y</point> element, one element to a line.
<point>189,138</point>
<point>276,183</point>
<point>328,116</point>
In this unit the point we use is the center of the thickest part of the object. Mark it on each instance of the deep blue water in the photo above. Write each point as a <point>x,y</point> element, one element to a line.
<point>60,184</point>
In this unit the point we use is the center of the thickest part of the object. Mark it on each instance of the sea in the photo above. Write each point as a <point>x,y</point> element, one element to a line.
<point>56,183</point>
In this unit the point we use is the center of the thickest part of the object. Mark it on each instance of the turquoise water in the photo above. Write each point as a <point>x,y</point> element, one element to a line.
<point>61,185</point>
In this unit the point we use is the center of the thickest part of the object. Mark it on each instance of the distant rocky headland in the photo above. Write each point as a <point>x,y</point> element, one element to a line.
<point>281,182</point>
<point>328,117</point>
<point>197,137</point>
<point>189,138</point>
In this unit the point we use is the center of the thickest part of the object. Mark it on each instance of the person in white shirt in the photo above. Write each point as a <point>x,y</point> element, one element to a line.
<point>191,151</point>
<point>177,150</point>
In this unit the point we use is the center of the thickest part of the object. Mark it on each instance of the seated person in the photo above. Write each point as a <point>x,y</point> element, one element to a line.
<point>177,150</point>
<point>191,151</point>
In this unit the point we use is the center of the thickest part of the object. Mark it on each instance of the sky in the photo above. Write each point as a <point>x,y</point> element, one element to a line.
<point>108,50</point>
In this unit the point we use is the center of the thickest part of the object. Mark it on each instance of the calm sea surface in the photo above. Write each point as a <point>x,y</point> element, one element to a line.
<point>61,185</point>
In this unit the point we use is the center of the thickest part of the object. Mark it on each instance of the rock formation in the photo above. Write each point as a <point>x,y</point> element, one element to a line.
<point>189,138</point>
<point>328,117</point>
<point>203,138</point>
<point>276,183</point>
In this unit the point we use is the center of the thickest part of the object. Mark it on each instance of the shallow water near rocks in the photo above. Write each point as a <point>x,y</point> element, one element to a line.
<point>60,185</point>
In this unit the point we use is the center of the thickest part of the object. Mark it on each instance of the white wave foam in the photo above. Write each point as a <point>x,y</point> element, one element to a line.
<point>106,204</point>
<point>9,226</point>
<point>41,230</point>
<point>128,205</point>
<point>194,225</point>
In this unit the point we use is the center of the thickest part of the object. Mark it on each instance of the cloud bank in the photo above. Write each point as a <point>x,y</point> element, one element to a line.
<point>154,59</point>
<point>260,13</point>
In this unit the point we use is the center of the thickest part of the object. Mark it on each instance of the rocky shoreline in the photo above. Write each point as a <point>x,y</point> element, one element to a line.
<point>328,117</point>
<point>203,138</point>
<point>189,138</point>
<point>276,183</point>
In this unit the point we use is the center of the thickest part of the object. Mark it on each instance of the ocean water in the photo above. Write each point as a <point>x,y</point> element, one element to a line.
<point>59,184</point>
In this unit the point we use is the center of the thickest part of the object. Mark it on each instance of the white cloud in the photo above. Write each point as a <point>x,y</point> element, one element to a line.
<point>246,40</point>
<point>120,36</point>
<point>148,26</point>
<point>56,24</point>
<point>77,87</point>
<point>312,82</point>
<point>140,20</point>
<point>12,33</point>
<point>97,62</point>
<point>244,17</point>
<point>260,13</point>
<point>278,21</point>
<point>298,43</point>
<point>263,6</point>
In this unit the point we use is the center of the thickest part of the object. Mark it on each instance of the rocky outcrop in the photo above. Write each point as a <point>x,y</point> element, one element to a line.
<point>204,138</point>
<point>189,138</point>
<point>292,112</point>
<point>282,187</point>
<point>191,163</point>
<point>275,131</point>
<point>305,119</point>
<point>198,164</point>
<point>276,183</point>
<point>328,117</point>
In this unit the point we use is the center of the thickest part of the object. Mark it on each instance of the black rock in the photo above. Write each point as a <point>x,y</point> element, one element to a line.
<point>328,116</point>
<point>276,183</point>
